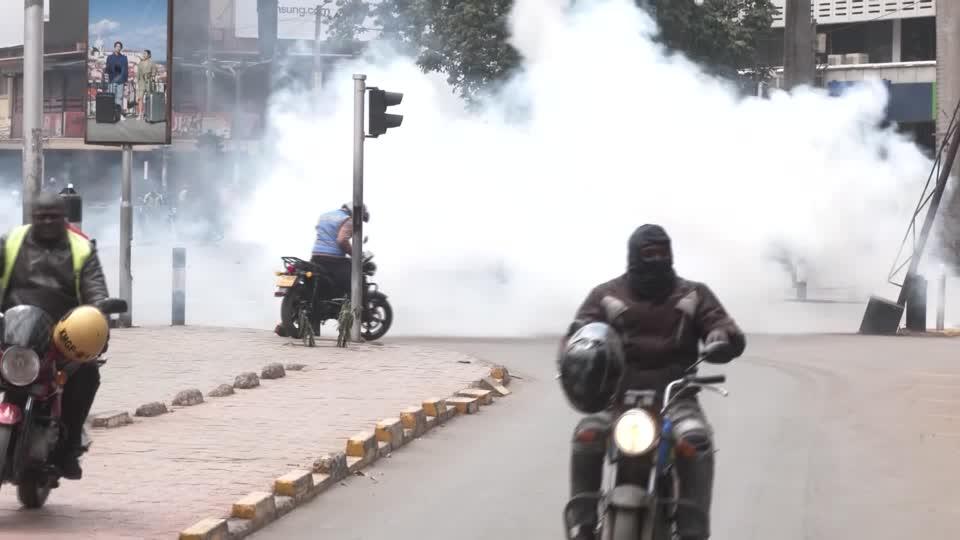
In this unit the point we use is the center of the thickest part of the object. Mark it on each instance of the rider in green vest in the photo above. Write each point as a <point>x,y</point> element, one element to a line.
<point>48,265</point>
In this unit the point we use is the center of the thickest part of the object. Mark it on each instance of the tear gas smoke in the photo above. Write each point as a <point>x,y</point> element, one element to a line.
<point>498,222</point>
<point>494,224</point>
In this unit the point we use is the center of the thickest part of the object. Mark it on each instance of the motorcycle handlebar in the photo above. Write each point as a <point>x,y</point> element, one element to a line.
<point>709,379</point>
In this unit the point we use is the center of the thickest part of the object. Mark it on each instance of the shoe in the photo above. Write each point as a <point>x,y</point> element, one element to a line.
<point>70,468</point>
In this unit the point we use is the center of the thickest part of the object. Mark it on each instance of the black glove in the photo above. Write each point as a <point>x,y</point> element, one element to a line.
<point>719,342</point>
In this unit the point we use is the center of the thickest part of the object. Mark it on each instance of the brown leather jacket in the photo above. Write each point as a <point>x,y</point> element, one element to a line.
<point>660,339</point>
<point>44,278</point>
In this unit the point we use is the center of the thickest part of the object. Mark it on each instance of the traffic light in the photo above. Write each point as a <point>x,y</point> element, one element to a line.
<point>379,120</point>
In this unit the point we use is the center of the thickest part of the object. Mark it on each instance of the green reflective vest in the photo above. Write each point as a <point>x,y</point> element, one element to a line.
<point>79,247</point>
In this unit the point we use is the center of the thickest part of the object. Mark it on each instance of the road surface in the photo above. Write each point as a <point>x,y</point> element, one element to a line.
<point>823,437</point>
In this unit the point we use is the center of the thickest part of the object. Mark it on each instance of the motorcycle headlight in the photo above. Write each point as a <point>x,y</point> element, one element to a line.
<point>635,432</point>
<point>19,366</point>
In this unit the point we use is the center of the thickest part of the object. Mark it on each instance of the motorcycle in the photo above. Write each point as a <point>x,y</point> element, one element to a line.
<point>302,313</point>
<point>638,498</point>
<point>32,378</point>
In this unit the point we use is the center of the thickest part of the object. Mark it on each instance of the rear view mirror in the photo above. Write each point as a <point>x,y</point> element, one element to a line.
<point>112,306</point>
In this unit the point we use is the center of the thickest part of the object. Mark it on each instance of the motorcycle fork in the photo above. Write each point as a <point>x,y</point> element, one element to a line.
<point>653,467</point>
<point>23,435</point>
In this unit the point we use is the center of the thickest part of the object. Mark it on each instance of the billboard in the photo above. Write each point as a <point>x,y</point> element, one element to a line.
<point>296,19</point>
<point>11,22</point>
<point>129,54</point>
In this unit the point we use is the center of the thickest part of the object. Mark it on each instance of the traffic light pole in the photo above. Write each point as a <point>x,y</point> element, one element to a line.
<point>356,281</point>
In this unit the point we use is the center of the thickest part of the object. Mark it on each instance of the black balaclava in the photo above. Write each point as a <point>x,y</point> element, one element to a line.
<point>49,219</point>
<point>650,277</point>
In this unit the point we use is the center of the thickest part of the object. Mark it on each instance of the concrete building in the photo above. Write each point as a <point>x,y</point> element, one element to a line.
<point>221,85</point>
<point>891,40</point>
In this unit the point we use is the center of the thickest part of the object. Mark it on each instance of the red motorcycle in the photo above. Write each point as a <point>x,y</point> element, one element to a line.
<point>33,373</point>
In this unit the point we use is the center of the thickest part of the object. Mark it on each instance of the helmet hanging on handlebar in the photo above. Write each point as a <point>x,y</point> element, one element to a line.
<point>591,366</point>
<point>81,334</point>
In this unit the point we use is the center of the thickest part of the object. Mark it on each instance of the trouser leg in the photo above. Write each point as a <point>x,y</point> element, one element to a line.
<point>695,467</point>
<point>586,472</point>
<point>78,396</point>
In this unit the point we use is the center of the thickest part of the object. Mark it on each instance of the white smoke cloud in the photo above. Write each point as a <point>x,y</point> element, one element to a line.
<point>495,224</point>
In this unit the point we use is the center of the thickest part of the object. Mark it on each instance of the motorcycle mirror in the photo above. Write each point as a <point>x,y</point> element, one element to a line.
<point>113,306</point>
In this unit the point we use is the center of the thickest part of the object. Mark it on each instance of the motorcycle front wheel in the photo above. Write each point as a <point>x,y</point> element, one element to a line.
<point>33,490</point>
<point>377,318</point>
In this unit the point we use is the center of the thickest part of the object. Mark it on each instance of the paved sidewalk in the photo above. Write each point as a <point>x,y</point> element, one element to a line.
<point>162,474</point>
<point>154,363</point>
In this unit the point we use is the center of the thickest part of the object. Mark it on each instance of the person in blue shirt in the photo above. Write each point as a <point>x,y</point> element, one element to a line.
<point>332,246</point>
<point>117,74</point>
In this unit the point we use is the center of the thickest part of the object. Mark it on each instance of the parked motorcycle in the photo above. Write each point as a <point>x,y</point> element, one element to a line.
<point>32,377</point>
<point>638,499</point>
<point>302,312</point>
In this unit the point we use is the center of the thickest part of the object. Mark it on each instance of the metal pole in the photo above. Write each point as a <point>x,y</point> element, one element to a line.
<point>317,59</point>
<point>237,95</point>
<point>942,298</point>
<point>179,301</point>
<point>209,82</point>
<point>921,241</point>
<point>163,171</point>
<point>356,294</point>
<point>126,236</point>
<point>32,102</point>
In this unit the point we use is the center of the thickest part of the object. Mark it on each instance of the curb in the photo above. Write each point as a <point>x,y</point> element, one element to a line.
<point>256,510</point>
<point>948,332</point>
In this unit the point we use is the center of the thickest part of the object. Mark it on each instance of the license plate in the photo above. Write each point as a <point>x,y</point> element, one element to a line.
<point>286,281</point>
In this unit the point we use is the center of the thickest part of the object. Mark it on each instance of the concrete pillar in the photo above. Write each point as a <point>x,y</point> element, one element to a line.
<point>897,40</point>
<point>948,65</point>
<point>799,36</point>
<point>948,92</point>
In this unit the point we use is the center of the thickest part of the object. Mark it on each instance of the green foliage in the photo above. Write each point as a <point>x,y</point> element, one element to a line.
<point>722,35</point>
<point>468,39</point>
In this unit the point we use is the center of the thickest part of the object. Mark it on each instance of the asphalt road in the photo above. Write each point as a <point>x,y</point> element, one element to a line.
<point>823,437</point>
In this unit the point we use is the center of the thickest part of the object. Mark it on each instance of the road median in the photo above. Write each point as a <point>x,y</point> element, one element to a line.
<point>363,449</point>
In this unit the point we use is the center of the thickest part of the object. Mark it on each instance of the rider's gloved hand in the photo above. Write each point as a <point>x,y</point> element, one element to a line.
<point>721,354</point>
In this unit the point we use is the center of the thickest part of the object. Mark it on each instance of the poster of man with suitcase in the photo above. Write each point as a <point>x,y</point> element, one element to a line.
<point>128,86</point>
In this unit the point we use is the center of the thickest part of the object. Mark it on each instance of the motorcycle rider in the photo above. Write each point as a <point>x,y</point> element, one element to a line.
<point>332,247</point>
<point>331,250</point>
<point>660,319</point>
<point>48,265</point>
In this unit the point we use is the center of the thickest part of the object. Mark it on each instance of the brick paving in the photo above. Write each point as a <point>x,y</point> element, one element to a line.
<point>156,477</point>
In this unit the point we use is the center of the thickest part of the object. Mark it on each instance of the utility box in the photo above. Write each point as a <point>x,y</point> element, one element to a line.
<point>882,317</point>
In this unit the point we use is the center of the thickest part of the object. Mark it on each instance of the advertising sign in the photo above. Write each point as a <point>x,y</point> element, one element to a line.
<point>296,19</point>
<point>129,55</point>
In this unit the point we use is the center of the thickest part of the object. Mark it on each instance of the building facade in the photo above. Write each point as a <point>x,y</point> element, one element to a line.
<point>891,40</point>
<point>221,84</point>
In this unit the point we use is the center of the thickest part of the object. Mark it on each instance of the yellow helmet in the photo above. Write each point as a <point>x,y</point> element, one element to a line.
<point>81,334</point>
